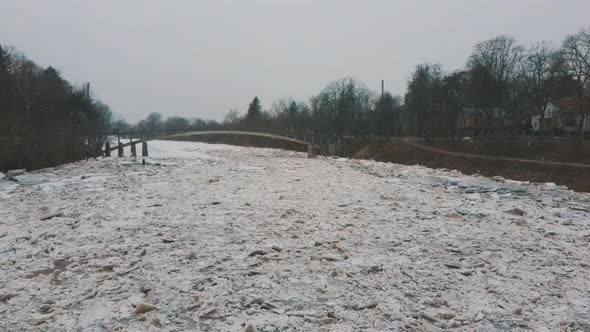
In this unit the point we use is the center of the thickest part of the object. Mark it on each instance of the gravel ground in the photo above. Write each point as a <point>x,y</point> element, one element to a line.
<point>221,238</point>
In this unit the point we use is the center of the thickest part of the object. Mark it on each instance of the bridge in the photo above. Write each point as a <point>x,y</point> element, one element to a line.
<point>316,144</point>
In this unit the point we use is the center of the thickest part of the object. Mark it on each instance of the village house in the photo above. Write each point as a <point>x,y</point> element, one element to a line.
<point>473,121</point>
<point>561,117</point>
<point>470,118</point>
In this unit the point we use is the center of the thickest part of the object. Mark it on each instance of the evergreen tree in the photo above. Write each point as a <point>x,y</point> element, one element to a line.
<point>254,111</point>
<point>5,80</point>
<point>7,96</point>
<point>292,110</point>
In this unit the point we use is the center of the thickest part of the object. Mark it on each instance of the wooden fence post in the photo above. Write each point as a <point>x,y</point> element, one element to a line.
<point>144,149</point>
<point>310,151</point>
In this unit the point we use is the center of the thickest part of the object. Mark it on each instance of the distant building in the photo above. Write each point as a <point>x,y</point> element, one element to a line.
<point>472,119</point>
<point>550,118</point>
<point>562,117</point>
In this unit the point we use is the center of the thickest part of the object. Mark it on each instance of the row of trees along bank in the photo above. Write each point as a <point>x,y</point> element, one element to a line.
<point>503,82</point>
<point>44,119</point>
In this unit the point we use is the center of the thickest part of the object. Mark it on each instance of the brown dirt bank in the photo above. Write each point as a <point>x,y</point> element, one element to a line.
<point>574,178</point>
<point>535,149</point>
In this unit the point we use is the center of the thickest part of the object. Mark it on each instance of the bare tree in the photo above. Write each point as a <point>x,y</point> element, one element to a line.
<point>453,89</point>
<point>153,123</point>
<point>383,117</point>
<point>341,106</point>
<point>176,123</point>
<point>540,68</point>
<point>423,98</point>
<point>577,60</point>
<point>231,118</point>
<point>499,58</point>
<point>499,55</point>
<point>120,124</point>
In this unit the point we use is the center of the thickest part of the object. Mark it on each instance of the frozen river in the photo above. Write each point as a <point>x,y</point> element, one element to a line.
<point>216,237</point>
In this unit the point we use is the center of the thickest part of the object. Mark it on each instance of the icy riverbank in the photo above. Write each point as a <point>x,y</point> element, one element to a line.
<point>215,236</point>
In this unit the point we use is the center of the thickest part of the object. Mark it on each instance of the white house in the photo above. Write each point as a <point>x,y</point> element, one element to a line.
<point>550,117</point>
<point>561,116</point>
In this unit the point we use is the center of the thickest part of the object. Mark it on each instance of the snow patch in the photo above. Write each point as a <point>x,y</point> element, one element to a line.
<point>214,236</point>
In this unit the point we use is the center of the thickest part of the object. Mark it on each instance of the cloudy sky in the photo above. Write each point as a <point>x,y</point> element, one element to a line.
<point>200,58</point>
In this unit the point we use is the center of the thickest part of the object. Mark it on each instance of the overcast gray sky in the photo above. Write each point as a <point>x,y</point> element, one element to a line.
<point>200,58</point>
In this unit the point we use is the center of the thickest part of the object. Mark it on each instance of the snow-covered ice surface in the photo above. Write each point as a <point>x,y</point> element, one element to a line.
<point>216,236</point>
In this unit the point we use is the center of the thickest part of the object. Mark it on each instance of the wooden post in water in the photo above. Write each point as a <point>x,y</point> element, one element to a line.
<point>331,149</point>
<point>144,149</point>
<point>132,144</point>
<point>107,149</point>
<point>120,150</point>
<point>310,151</point>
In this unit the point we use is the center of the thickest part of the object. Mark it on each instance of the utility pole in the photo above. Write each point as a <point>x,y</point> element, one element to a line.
<point>382,104</point>
<point>88,91</point>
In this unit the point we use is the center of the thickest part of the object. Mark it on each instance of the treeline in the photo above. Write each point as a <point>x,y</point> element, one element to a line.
<point>343,107</point>
<point>156,124</point>
<point>44,119</point>
<point>501,86</point>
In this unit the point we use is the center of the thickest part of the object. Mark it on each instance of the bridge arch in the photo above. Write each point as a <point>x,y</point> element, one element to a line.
<point>238,132</point>
<point>310,147</point>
